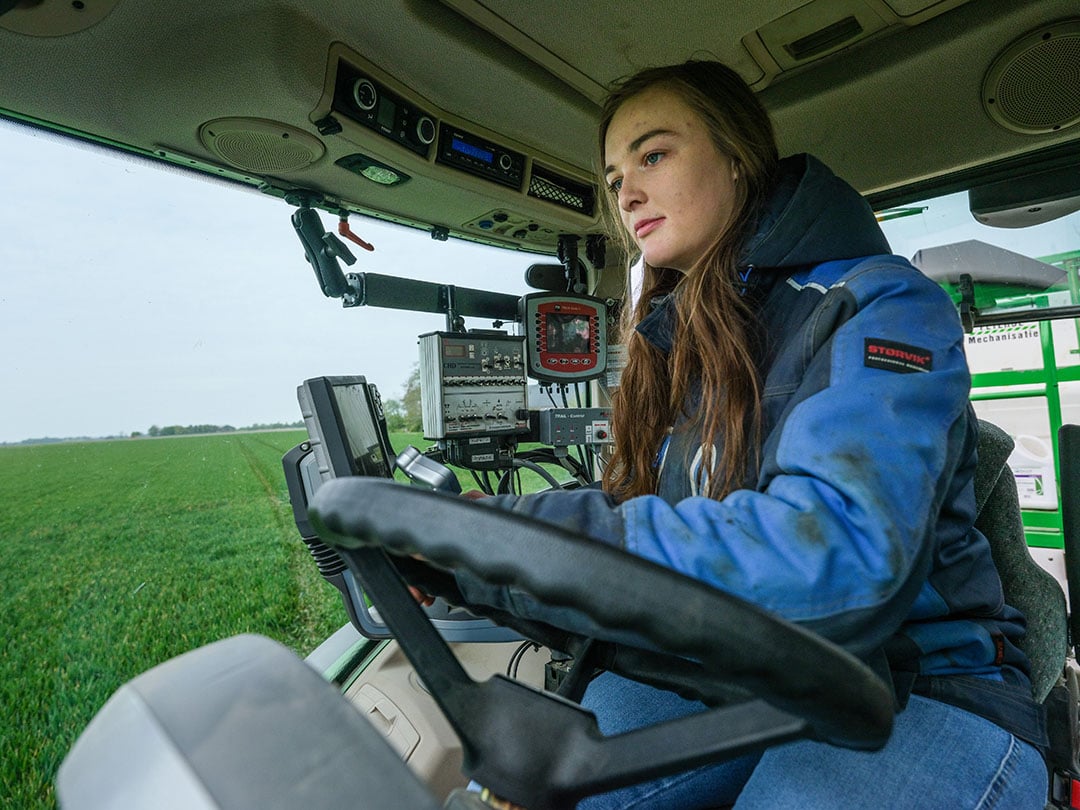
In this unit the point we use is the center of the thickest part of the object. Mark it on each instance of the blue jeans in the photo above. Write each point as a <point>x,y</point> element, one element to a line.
<point>938,756</point>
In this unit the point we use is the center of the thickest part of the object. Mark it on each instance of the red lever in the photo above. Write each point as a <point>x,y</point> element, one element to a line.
<point>344,230</point>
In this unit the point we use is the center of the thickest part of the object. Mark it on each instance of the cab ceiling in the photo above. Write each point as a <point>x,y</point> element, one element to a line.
<point>594,43</point>
<point>898,103</point>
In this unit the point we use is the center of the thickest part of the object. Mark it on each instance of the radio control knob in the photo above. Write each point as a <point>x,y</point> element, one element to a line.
<point>364,94</point>
<point>425,130</point>
<point>505,162</point>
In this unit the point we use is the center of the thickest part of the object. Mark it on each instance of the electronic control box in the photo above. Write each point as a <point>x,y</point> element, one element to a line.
<point>565,336</point>
<point>473,384</point>
<point>566,427</point>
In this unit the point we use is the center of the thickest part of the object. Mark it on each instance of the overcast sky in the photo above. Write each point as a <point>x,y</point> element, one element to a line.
<point>132,296</point>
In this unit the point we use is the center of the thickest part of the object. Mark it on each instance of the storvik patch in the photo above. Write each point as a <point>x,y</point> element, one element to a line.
<point>892,356</point>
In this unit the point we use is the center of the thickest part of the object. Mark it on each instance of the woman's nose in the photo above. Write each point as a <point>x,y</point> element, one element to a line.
<point>630,193</point>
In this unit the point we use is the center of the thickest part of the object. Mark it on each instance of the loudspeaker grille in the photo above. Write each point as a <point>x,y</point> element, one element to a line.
<point>1033,87</point>
<point>260,146</point>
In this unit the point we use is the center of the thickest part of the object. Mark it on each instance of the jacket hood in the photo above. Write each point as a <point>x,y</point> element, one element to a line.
<point>812,216</point>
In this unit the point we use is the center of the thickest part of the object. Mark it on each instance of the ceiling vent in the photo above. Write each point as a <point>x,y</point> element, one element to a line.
<point>812,31</point>
<point>260,146</point>
<point>1033,87</point>
<point>825,40</point>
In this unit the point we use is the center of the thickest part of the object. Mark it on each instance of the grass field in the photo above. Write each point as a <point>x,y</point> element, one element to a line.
<point>118,555</point>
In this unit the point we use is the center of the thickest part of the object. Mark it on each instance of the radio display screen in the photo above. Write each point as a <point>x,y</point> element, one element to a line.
<point>471,150</point>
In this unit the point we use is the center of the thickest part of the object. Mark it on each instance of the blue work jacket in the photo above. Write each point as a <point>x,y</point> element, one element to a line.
<point>858,523</point>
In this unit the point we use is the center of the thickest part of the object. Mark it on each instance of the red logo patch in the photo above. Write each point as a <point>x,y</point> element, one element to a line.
<point>900,357</point>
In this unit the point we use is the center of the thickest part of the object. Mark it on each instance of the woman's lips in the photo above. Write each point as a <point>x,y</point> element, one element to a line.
<point>647,226</point>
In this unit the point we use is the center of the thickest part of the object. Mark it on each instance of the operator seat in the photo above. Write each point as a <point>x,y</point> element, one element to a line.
<point>1028,587</point>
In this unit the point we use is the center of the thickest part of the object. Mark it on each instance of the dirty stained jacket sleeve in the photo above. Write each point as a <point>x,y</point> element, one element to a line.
<point>840,533</point>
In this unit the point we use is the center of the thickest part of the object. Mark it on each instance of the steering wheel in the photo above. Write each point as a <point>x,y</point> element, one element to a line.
<point>651,623</point>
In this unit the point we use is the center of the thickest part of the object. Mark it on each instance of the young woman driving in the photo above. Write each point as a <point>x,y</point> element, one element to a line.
<point>793,427</point>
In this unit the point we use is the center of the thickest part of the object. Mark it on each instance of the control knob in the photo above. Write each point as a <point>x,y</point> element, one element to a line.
<point>364,94</point>
<point>425,130</point>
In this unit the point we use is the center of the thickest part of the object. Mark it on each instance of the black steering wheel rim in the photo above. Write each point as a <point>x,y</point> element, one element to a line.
<point>723,638</point>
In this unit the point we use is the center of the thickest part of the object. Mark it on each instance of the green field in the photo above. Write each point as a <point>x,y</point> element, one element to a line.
<point>118,555</point>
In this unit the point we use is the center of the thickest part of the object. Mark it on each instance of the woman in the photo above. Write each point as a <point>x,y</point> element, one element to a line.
<point>793,426</point>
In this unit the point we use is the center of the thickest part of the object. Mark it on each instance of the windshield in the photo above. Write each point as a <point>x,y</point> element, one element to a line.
<point>137,298</point>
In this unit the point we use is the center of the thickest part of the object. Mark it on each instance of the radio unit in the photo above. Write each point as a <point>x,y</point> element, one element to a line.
<point>481,157</point>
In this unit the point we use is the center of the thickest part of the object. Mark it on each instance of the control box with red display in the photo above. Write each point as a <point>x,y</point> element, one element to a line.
<point>565,336</point>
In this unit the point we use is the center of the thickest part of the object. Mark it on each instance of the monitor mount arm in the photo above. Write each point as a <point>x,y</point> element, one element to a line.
<point>322,250</point>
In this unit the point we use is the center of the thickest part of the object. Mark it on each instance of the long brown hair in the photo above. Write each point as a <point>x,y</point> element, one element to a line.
<point>711,368</point>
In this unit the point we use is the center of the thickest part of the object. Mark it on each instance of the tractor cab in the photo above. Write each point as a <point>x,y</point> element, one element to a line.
<point>467,123</point>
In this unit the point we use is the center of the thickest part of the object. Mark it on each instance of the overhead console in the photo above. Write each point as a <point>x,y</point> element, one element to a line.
<point>399,136</point>
<point>782,36</point>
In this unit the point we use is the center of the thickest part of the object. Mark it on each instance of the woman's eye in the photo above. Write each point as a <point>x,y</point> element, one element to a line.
<point>614,186</point>
<point>653,158</point>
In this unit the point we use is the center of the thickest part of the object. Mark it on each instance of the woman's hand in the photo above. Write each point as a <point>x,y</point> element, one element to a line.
<point>426,600</point>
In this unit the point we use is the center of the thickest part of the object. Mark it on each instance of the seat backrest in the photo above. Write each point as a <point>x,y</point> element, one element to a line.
<point>1028,587</point>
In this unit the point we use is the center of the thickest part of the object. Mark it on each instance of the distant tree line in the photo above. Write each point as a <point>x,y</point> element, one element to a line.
<point>187,430</point>
<point>170,430</point>
<point>403,415</point>
<point>184,430</point>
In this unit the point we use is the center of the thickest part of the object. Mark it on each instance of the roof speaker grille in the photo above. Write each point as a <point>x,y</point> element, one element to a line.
<point>1033,87</point>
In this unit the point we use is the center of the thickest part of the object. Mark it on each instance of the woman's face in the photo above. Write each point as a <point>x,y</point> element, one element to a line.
<point>675,190</point>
